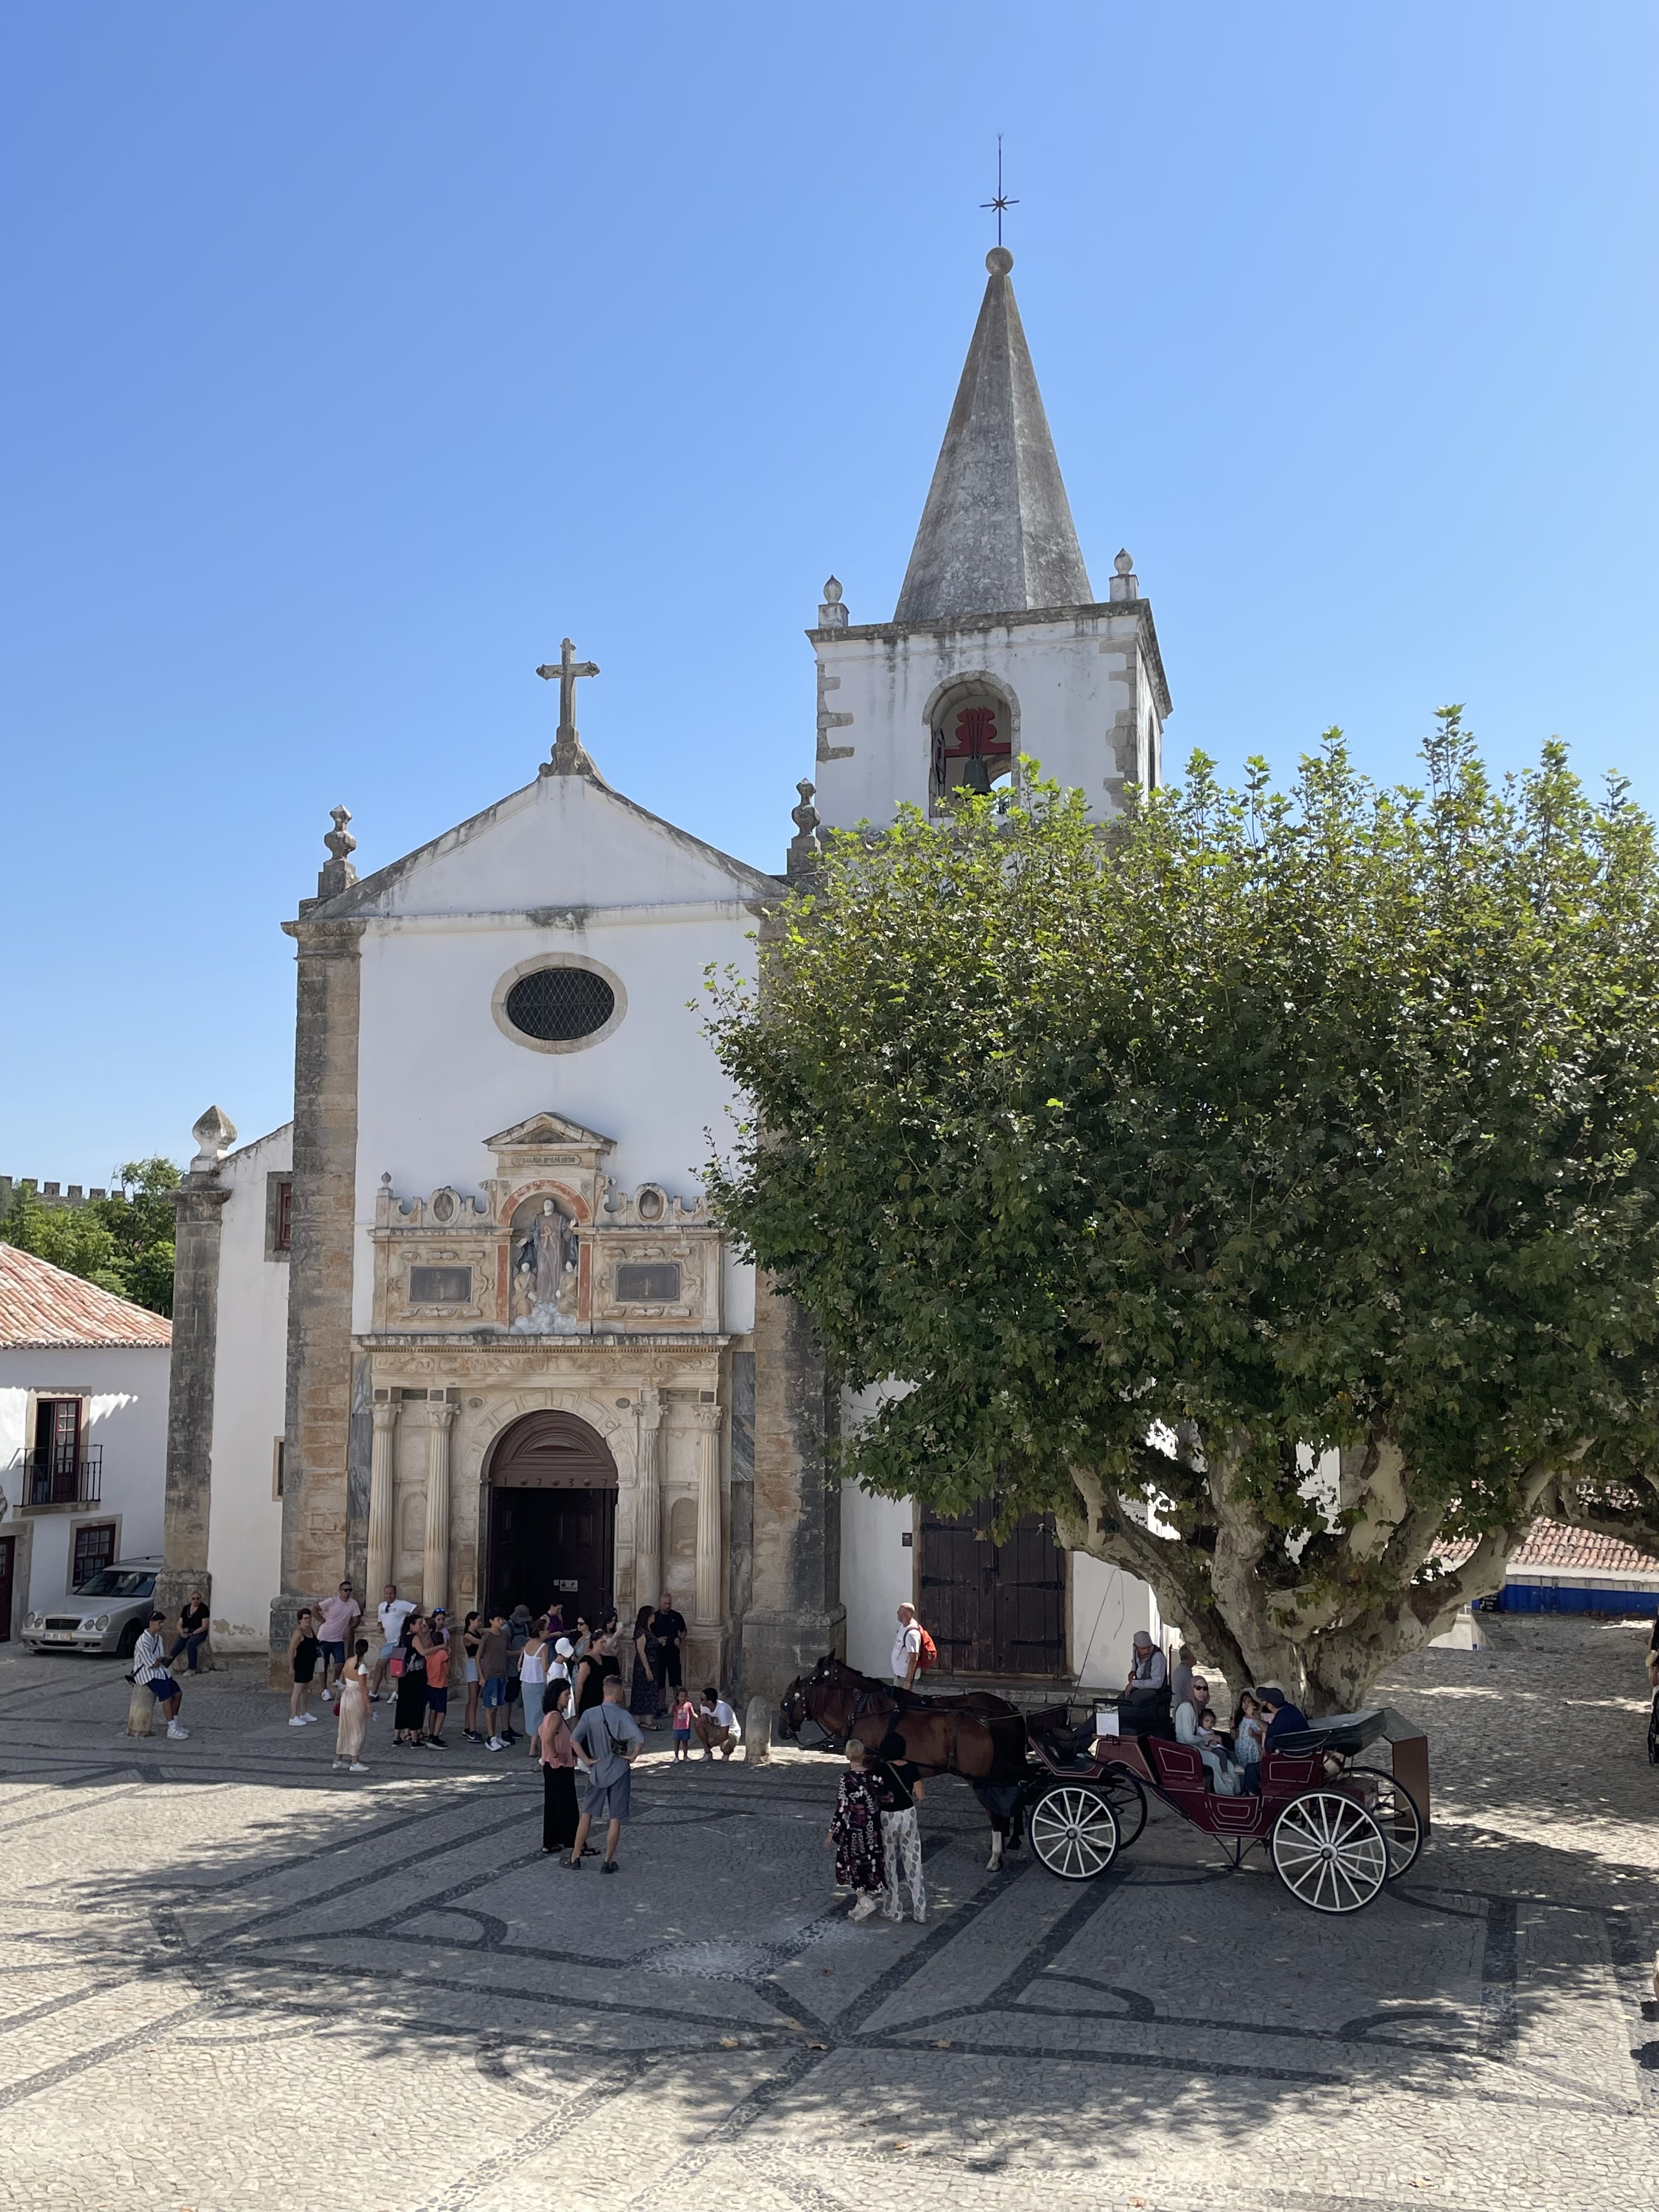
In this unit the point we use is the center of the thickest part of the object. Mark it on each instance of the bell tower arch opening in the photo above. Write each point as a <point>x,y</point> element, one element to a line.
<point>973,725</point>
<point>551,1499</point>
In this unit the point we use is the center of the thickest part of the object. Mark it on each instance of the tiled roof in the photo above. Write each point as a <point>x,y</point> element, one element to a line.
<point>1551,1546</point>
<point>40,1305</point>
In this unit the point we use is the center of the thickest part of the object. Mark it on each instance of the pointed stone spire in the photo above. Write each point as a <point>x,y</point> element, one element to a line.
<point>996,533</point>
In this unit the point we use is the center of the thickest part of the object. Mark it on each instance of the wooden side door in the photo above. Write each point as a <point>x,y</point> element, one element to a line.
<point>994,1609</point>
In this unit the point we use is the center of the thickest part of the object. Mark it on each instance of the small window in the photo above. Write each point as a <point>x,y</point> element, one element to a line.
<point>555,1005</point>
<point>278,1451</point>
<point>440,1286</point>
<point>94,1547</point>
<point>648,1282</point>
<point>279,1215</point>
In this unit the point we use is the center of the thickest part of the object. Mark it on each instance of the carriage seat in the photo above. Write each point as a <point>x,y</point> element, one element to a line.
<point>1177,1765</point>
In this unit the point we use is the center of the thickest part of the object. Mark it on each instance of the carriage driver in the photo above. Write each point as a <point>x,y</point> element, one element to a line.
<point>1150,1669</point>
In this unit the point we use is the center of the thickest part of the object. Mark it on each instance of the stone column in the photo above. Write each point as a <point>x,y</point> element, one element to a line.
<point>198,1214</point>
<point>647,1510</point>
<point>321,1261</point>
<point>710,1610</point>
<point>382,1469</point>
<point>435,1578</point>
<point>795,1613</point>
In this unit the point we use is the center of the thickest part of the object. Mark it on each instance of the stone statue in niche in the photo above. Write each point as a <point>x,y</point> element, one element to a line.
<point>544,1276</point>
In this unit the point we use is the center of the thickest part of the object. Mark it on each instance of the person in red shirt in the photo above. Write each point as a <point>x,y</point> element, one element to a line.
<point>437,1680</point>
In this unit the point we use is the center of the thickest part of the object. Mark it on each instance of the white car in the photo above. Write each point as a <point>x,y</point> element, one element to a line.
<point>107,1615</point>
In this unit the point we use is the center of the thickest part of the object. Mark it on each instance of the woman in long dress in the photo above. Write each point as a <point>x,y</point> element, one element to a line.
<point>558,1757</point>
<point>354,1712</point>
<point>408,1714</point>
<point>645,1696</point>
<point>855,1835</point>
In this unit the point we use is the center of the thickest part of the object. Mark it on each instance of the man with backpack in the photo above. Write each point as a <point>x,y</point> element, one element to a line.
<point>913,1649</point>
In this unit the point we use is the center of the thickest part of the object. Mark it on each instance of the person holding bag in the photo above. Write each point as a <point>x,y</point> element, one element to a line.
<point>557,1753</point>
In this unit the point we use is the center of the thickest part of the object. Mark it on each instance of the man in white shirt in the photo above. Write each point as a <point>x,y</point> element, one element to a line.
<point>907,1648</point>
<point>149,1668</point>
<point>394,1612</point>
<point>715,1724</point>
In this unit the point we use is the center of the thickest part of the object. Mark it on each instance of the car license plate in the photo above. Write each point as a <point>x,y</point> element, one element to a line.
<point>58,1636</point>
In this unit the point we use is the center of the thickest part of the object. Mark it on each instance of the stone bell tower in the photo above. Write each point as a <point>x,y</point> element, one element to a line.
<point>998,648</point>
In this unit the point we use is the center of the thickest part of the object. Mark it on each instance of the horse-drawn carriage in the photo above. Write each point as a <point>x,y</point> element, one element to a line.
<point>1336,1828</point>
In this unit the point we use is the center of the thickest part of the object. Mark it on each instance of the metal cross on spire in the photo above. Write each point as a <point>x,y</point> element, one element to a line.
<point>1002,203</point>
<point>570,755</point>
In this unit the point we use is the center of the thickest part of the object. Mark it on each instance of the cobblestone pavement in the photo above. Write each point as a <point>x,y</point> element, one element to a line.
<point>233,1982</point>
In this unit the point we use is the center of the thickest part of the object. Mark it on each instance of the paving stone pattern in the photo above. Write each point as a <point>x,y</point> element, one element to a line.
<point>234,1982</point>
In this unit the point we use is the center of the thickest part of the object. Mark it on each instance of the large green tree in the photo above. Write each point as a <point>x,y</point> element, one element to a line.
<point>122,1242</point>
<point>1150,1164</point>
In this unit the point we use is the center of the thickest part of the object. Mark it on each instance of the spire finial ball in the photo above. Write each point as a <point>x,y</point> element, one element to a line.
<point>832,591</point>
<point>998,261</point>
<point>1123,563</point>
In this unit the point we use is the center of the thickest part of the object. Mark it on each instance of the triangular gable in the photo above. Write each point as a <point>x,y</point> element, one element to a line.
<point>561,842</point>
<point>543,1129</point>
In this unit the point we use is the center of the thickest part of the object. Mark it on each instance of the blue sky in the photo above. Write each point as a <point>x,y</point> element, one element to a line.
<point>356,356</point>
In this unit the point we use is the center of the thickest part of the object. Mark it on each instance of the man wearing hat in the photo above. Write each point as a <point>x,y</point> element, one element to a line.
<point>1143,1708</point>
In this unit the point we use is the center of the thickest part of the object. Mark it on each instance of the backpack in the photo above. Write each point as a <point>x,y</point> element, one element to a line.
<point>929,1651</point>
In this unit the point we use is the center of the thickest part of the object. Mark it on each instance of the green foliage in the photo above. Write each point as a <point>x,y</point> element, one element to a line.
<point>1327,1117</point>
<point>123,1244</point>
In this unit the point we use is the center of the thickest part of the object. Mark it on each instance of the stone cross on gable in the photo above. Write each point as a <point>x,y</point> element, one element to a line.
<point>570,757</point>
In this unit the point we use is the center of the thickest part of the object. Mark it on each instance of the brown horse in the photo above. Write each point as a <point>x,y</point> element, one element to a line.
<point>941,1735</point>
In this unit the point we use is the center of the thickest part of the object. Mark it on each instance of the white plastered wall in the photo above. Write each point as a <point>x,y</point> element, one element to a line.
<point>244,1525</point>
<point>560,869</point>
<point>125,1391</point>
<point>1069,679</point>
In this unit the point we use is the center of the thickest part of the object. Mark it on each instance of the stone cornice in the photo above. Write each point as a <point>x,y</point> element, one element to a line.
<point>322,933</point>
<point>536,1347</point>
<point>955,630</point>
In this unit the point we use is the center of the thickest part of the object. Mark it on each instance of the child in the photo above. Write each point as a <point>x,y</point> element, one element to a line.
<point>855,1835</point>
<point>680,1720</point>
<point>1247,1731</point>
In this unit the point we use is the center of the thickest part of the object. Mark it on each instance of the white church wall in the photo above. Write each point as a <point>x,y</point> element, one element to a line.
<point>1069,679</point>
<point>124,1393</point>
<point>438,1075</point>
<point>244,1525</point>
<point>1107,1607</point>
<point>565,869</point>
<point>877,1573</point>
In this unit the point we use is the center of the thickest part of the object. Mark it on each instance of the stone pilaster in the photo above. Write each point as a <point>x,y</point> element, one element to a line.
<point>320,1353</point>
<point>434,1576</point>
<point>647,1510</point>
<point>795,1613</point>
<point>381,1476</point>
<point>198,1212</point>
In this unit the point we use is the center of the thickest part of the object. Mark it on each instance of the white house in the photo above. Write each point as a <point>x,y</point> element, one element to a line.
<point>83,1429</point>
<point>467,1324</point>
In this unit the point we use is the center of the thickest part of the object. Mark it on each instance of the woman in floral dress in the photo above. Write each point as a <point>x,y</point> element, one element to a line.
<point>856,1837</point>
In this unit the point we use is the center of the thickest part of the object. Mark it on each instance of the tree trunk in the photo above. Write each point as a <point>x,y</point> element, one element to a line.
<point>1324,1638</point>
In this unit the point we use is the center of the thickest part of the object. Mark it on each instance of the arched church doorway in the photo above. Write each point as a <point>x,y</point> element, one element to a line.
<point>552,1535</point>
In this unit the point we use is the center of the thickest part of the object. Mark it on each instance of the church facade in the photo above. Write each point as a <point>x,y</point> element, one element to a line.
<point>467,1324</point>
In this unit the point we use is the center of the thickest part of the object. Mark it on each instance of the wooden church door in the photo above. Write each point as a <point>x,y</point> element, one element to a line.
<point>994,1609</point>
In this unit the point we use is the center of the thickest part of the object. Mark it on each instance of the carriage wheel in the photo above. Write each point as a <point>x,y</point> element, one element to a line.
<point>1396,1812</point>
<point>1128,1801</point>
<point>1075,1832</point>
<point>1329,1852</point>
